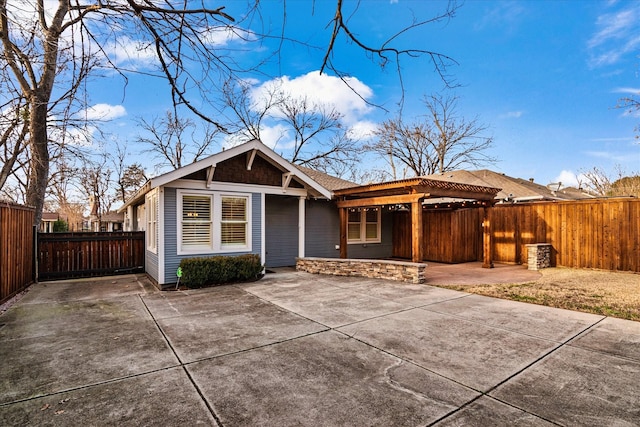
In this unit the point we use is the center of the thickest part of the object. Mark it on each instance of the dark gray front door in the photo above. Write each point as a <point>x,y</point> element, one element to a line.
<point>281,234</point>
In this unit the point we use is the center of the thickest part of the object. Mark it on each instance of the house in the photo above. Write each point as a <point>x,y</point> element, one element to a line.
<point>112,221</point>
<point>513,190</point>
<point>248,199</point>
<point>48,219</point>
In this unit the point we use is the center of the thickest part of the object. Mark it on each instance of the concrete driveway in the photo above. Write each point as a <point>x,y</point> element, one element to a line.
<point>301,349</point>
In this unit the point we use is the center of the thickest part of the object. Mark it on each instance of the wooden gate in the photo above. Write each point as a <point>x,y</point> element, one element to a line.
<point>72,255</point>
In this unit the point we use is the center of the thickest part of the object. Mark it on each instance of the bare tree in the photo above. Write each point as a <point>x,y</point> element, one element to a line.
<point>48,53</point>
<point>632,105</point>
<point>619,183</point>
<point>248,115</point>
<point>176,141</point>
<point>442,142</point>
<point>318,123</point>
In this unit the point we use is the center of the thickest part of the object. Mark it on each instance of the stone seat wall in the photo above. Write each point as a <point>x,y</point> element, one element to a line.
<point>377,269</point>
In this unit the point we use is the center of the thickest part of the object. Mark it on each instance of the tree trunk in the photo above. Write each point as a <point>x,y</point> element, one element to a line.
<point>39,176</point>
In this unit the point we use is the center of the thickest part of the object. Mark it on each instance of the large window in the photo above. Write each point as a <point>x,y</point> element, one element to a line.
<point>210,222</point>
<point>363,225</point>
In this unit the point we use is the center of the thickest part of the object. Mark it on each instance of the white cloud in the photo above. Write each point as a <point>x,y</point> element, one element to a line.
<point>511,115</point>
<point>609,155</point>
<point>348,97</point>
<point>628,90</point>
<point>223,35</point>
<point>617,35</point>
<point>103,112</point>
<point>567,178</point>
<point>363,129</point>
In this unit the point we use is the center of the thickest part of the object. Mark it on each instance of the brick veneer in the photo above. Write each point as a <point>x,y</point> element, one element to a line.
<point>379,269</point>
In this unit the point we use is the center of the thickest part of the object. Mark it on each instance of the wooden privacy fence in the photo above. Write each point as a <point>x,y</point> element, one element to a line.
<point>601,234</point>
<point>71,255</point>
<point>16,249</point>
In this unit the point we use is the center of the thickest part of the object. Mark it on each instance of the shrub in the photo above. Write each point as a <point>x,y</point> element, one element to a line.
<point>60,226</point>
<point>201,272</point>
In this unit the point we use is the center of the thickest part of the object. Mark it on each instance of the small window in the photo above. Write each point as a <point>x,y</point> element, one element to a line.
<point>233,223</point>
<point>151,209</point>
<point>363,225</point>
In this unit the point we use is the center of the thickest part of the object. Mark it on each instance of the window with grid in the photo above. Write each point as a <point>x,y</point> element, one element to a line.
<point>233,221</point>
<point>196,221</point>
<point>363,225</point>
<point>152,221</point>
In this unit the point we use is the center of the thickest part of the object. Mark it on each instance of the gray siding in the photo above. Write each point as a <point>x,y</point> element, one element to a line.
<point>281,221</point>
<point>172,259</point>
<point>151,264</point>
<point>323,234</point>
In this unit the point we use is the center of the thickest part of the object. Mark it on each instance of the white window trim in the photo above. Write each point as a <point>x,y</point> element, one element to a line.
<point>216,245</point>
<point>151,221</point>
<point>363,228</point>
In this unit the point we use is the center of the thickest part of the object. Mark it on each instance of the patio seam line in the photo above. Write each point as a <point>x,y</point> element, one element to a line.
<point>86,386</point>
<point>245,350</point>
<point>466,319</point>
<point>182,365</point>
<point>274,302</point>
<point>520,371</point>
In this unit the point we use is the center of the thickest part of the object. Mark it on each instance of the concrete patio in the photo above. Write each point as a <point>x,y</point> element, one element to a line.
<point>301,349</point>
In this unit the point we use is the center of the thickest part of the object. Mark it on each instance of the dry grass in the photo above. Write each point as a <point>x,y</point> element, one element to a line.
<point>600,292</point>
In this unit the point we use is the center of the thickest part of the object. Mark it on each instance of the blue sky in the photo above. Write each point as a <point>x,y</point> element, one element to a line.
<point>543,76</point>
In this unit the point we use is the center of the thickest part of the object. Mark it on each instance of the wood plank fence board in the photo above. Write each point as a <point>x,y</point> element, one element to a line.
<point>16,249</point>
<point>71,255</point>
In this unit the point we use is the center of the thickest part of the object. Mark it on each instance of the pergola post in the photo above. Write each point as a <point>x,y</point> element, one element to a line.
<point>343,232</point>
<point>417,241</point>
<point>487,247</point>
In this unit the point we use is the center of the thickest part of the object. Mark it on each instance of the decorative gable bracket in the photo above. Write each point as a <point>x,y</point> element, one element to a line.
<point>210,172</point>
<point>251,155</point>
<point>286,180</point>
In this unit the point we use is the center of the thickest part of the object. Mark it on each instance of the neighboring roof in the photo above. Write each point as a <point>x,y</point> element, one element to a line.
<point>112,216</point>
<point>327,181</point>
<point>254,145</point>
<point>50,216</point>
<point>512,189</point>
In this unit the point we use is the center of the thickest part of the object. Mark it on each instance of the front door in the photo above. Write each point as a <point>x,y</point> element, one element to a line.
<point>281,234</point>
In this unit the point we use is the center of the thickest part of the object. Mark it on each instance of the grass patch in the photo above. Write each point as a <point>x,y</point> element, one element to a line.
<point>598,292</point>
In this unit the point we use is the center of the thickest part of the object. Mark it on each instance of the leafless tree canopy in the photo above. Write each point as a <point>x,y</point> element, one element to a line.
<point>442,141</point>
<point>174,141</point>
<point>617,184</point>
<point>50,49</point>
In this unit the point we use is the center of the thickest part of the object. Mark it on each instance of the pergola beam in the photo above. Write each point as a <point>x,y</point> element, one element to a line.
<point>382,200</point>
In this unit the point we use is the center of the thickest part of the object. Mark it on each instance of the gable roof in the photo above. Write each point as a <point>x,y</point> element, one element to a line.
<point>512,189</point>
<point>255,147</point>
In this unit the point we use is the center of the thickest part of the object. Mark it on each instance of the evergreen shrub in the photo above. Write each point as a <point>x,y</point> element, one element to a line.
<point>209,271</point>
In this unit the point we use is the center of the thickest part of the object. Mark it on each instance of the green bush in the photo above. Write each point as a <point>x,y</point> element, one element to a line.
<point>201,272</point>
<point>60,226</point>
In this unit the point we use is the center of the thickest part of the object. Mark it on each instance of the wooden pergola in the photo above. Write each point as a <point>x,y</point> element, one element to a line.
<point>413,192</point>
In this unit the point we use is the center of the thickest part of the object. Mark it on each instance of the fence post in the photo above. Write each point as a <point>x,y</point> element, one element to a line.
<point>36,263</point>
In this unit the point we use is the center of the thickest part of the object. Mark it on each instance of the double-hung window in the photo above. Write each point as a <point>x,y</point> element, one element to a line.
<point>197,222</point>
<point>212,222</point>
<point>233,222</point>
<point>363,225</point>
<point>151,208</point>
